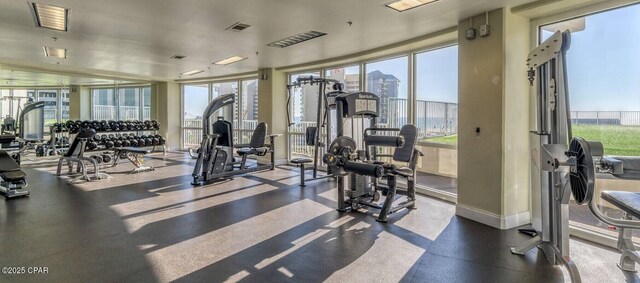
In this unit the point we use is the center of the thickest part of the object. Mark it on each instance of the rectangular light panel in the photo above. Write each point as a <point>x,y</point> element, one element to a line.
<point>404,5</point>
<point>295,39</point>
<point>230,60</point>
<point>51,17</point>
<point>52,52</point>
<point>192,72</point>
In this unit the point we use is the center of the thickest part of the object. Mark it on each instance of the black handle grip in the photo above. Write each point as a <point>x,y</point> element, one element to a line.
<point>359,168</point>
<point>390,141</point>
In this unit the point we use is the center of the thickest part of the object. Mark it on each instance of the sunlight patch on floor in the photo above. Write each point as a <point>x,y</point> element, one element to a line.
<point>404,256</point>
<point>217,245</point>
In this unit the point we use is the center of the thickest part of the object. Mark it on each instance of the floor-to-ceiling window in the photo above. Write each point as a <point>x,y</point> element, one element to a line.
<point>389,80</point>
<point>303,109</point>
<point>603,66</point>
<point>243,113</point>
<point>146,103</point>
<point>248,113</point>
<point>64,107</point>
<point>129,103</point>
<point>104,104</point>
<point>195,99</point>
<point>50,99</point>
<point>121,103</point>
<point>436,116</point>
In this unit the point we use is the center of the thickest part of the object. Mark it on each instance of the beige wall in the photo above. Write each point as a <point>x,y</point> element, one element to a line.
<point>166,108</point>
<point>79,103</point>
<point>516,147</point>
<point>272,108</point>
<point>480,85</point>
<point>493,165</point>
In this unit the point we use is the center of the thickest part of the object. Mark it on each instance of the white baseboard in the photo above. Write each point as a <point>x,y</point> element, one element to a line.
<point>492,219</point>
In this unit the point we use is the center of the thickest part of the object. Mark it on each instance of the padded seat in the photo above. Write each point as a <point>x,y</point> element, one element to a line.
<point>302,160</point>
<point>7,164</point>
<point>404,171</point>
<point>13,176</point>
<point>627,201</point>
<point>248,150</point>
<point>133,150</point>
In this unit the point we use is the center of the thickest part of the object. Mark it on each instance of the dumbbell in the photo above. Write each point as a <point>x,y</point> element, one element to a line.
<point>155,125</point>
<point>92,145</point>
<point>133,142</point>
<point>142,142</point>
<point>109,144</point>
<point>97,158</point>
<point>147,125</point>
<point>155,141</point>
<point>106,158</point>
<point>148,141</point>
<point>117,143</point>
<point>162,140</point>
<point>126,143</point>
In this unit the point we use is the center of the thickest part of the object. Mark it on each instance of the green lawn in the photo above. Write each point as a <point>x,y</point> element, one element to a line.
<point>617,140</point>
<point>452,139</point>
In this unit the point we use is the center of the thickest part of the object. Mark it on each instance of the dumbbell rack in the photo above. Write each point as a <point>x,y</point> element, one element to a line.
<point>137,133</point>
<point>55,136</point>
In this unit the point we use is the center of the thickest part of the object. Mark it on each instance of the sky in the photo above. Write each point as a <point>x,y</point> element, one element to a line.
<point>603,62</point>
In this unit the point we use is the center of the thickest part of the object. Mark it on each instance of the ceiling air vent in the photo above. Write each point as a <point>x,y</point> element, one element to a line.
<point>238,27</point>
<point>51,17</point>
<point>177,57</point>
<point>295,39</point>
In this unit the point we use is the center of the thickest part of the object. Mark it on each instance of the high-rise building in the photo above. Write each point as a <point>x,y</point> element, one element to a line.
<point>386,86</point>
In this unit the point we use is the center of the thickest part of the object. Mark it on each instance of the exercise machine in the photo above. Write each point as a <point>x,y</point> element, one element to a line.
<point>13,178</point>
<point>215,158</point>
<point>357,189</point>
<point>313,134</point>
<point>550,193</point>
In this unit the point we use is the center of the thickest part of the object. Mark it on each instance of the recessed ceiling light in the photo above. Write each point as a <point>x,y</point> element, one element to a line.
<point>404,5</point>
<point>230,60</point>
<point>55,52</point>
<point>295,39</point>
<point>192,72</point>
<point>51,17</point>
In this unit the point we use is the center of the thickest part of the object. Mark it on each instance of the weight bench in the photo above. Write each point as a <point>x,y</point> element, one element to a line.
<point>13,178</point>
<point>629,203</point>
<point>301,162</point>
<point>135,155</point>
<point>75,155</point>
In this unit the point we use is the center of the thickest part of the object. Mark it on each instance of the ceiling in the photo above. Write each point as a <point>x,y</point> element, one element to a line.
<point>16,78</point>
<point>134,39</point>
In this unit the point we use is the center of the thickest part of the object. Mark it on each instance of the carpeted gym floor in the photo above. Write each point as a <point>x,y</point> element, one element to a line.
<point>156,227</point>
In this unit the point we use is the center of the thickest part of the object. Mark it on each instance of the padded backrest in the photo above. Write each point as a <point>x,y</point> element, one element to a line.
<point>7,164</point>
<point>310,135</point>
<point>75,148</point>
<point>259,134</point>
<point>405,153</point>
<point>225,130</point>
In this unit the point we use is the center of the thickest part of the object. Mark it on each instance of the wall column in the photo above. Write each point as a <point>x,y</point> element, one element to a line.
<point>493,145</point>
<point>272,108</point>
<point>79,103</point>
<point>165,107</point>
